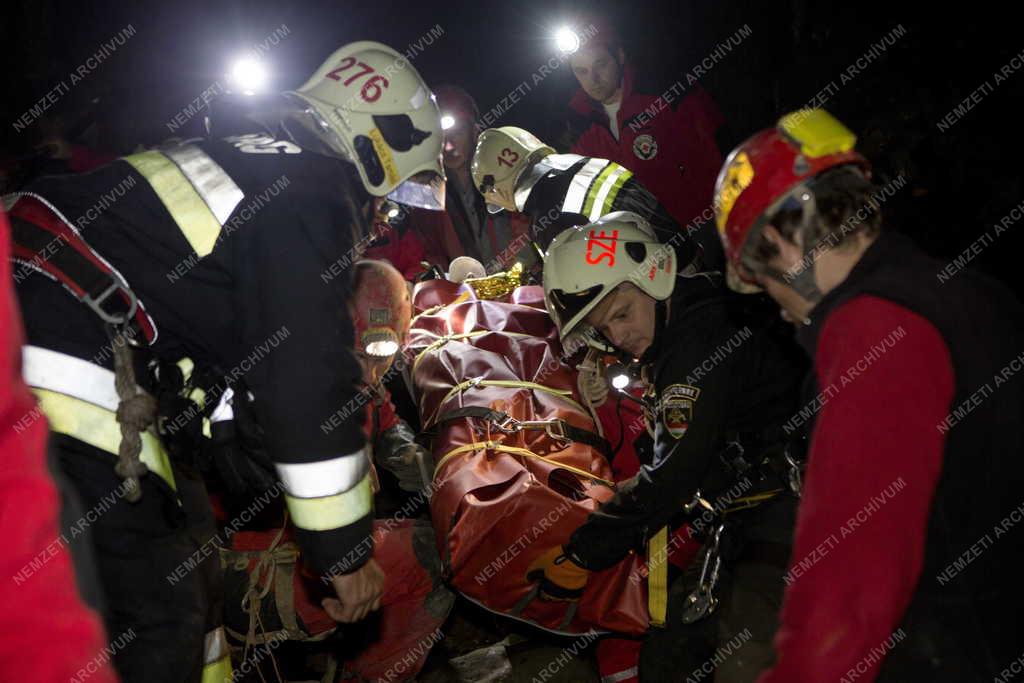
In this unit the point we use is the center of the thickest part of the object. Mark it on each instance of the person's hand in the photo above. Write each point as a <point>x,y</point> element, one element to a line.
<point>560,578</point>
<point>358,593</point>
<point>591,382</point>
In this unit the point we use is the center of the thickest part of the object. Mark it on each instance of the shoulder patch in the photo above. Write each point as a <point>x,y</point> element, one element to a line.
<point>677,408</point>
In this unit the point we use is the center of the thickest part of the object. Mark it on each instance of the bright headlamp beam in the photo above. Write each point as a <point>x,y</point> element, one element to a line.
<point>566,40</point>
<point>248,76</point>
<point>447,121</point>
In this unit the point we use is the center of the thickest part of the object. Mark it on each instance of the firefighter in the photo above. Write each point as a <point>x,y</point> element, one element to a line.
<point>234,251</point>
<point>516,172</point>
<point>723,378</point>
<point>914,466</point>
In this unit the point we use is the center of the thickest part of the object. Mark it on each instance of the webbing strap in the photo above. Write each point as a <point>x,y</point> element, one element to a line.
<point>564,394</point>
<point>441,341</point>
<point>514,450</point>
<point>657,577</point>
<point>503,421</point>
<point>99,427</point>
<point>752,501</point>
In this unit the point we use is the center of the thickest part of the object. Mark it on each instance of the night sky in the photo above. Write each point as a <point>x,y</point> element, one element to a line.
<point>963,178</point>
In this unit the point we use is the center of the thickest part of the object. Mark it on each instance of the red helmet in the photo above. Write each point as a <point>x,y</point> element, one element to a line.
<point>381,312</point>
<point>762,172</point>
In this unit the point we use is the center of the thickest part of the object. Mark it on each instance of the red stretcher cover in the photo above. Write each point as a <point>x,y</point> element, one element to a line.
<point>506,498</point>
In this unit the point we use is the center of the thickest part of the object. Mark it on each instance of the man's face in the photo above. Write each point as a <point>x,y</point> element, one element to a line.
<point>599,72</point>
<point>459,142</point>
<point>789,260</point>
<point>626,317</point>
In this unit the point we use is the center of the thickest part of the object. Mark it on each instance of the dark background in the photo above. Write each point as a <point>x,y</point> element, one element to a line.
<point>961,181</point>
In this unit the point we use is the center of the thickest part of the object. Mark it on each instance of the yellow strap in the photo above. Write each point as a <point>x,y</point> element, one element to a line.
<point>564,394</point>
<point>332,512</point>
<point>441,341</point>
<point>751,501</point>
<point>515,450</point>
<point>98,427</point>
<point>179,197</point>
<point>657,577</point>
<point>219,671</point>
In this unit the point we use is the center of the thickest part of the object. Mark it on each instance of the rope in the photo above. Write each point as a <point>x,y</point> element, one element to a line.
<point>515,450</point>
<point>564,394</point>
<point>136,411</point>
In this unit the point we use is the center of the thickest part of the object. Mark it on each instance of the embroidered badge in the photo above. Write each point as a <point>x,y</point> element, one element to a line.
<point>645,147</point>
<point>677,408</point>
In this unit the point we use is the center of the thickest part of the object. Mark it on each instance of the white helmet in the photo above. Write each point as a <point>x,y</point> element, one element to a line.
<point>501,157</point>
<point>371,107</point>
<point>585,263</point>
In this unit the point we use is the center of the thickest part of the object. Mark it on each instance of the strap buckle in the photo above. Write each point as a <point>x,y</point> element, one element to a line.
<point>116,322</point>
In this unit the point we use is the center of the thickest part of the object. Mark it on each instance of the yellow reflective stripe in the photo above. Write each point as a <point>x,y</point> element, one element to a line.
<point>515,450</point>
<point>98,427</point>
<point>595,187</point>
<point>219,671</point>
<point>657,577</point>
<point>613,193</point>
<point>186,206</point>
<point>331,512</point>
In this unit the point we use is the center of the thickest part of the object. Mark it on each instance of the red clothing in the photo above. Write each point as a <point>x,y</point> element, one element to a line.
<point>876,455</point>
<point>48,633</point>
<point>442,243</point>
<point>672,151</point>
<point>405,251</point>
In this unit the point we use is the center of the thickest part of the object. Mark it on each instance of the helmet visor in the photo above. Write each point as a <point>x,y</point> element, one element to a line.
<point>424,190</point>
<point>567,306</point>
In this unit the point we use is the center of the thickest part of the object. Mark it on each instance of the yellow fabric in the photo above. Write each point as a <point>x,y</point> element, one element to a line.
<point>194,218</point>
<point>515,450</point>
<point>657,577</point>
<point>595,187</point>
<point>817,132</point>
<point>614,192</point>
<point>332,512</point>
<point>564,394</point>
<point>98,427</point>
<point>218,672</point>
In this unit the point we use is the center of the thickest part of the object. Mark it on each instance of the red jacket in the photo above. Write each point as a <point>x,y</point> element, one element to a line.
<point>667,140</point>
<point>441,242</point>
<point>856,561</point>
<point>49,635</point>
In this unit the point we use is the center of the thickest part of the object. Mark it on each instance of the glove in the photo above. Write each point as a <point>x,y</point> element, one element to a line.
<point>591,382</point>
<point>397,452</point>
<point>560,578</point>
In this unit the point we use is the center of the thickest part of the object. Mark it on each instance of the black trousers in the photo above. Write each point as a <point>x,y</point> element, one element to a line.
<point>734,643</point>
<point>156,560</point>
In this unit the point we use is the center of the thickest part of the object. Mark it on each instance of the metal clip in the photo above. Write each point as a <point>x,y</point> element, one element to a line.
<point>702,601</point>
<point>794,477</point>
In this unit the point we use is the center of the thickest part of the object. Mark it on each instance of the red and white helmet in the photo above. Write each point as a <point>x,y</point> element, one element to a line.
<point>763,172</point>
<point>371,107</point>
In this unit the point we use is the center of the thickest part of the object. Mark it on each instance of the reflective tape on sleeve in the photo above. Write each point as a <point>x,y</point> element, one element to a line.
<point>580,185</point>
<point>332,512</point>
<point>324,478</point>
<point>196,221</point>
<point>605,193</point>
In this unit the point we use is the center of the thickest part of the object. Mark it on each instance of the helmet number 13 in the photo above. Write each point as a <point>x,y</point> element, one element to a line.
<point>604,249</point>
<point>372,89</point>
<point>508,157</point>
